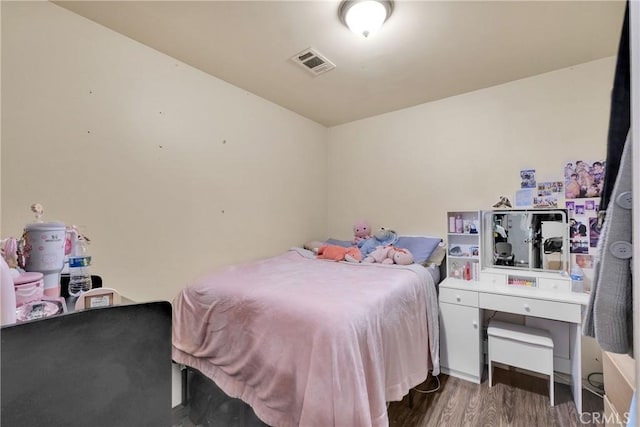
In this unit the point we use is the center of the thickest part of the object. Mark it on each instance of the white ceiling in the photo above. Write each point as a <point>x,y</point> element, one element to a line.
<point>427,50</point>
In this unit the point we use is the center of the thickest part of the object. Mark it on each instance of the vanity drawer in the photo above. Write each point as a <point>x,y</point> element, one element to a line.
<point>554,310</point>
<point>460,297</point>
<point>554,284</point>
<point>496,279</point>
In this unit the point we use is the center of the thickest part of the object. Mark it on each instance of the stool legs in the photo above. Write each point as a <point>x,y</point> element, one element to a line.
<point>522,347</point>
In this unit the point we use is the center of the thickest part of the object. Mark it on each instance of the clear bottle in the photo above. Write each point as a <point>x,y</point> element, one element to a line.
<point>79,262</point>
<point>459,224</point>
<point>455,271</point>
<point>577,279</point>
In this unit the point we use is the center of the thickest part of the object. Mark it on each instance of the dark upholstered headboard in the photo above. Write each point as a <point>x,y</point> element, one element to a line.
<point>100,367</point>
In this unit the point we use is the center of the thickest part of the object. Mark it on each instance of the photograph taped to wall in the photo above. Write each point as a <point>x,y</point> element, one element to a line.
<point>577,227</point>
<point>548,188</point>
<point>594,232</point>
<point>524,198</point>
<point>545,201</point>
<point>584,225</point>
<point>528,178</point>
<point>579,245</point>
<point>571,206</point>
<point>584,261</point>
<point>578,235</point>
<point>583,179</point>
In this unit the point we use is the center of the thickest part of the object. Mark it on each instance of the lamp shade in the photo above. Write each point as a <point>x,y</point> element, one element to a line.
<point>365,17</point>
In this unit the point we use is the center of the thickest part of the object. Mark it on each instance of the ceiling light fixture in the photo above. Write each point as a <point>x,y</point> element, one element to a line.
<point>364,17</point>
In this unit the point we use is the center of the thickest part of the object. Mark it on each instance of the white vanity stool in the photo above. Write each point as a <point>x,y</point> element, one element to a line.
<point>522,347</point>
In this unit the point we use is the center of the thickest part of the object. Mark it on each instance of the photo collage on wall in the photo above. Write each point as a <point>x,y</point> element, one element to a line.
<point>579,192</point>
<point>583,185</point>
<point>547,194</point>
<point>538,194</point>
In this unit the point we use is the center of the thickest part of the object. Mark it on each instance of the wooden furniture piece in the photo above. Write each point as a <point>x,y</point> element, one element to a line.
<point>461,307</point>
<point>619,385</point>
<point>101,367</point>
<point>521,346</point>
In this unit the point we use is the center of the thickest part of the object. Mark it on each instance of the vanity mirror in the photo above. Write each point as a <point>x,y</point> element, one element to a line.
<point>526,240</point>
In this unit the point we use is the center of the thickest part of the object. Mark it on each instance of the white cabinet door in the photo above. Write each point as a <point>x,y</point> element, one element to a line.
<point>460,331</point>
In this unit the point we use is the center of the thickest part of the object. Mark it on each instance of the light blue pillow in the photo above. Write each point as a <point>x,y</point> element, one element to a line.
<point>420,247</point>
<point>336,242</point>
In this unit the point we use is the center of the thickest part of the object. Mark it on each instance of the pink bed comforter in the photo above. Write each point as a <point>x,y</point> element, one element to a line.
<point>311,342</point>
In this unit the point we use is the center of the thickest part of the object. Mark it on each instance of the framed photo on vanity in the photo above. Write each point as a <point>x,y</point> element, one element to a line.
<point>98,297</point>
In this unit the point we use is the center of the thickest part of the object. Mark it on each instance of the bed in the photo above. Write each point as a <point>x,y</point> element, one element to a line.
<point>311,342</point>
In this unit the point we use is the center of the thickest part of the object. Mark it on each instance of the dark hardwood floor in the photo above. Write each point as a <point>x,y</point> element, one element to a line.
<point>514,400</point>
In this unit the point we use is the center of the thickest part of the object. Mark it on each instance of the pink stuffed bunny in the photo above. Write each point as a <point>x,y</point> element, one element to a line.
<point>389,255</point>
<point>400,256</point>
<point>380,255</point>
<point>361,231</point>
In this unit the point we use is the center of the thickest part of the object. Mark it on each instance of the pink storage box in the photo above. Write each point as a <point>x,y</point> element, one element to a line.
<point>29,287</point>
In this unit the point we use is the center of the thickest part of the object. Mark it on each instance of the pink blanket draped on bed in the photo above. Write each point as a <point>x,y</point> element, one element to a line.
<point>311,342</point>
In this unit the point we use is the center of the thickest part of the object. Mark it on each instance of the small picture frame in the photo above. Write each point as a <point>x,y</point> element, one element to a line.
<point>99,297</point>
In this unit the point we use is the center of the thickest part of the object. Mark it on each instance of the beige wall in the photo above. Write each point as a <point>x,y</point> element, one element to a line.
<point>157,151</point>
<point>405,169</point>
<point>145,154</point>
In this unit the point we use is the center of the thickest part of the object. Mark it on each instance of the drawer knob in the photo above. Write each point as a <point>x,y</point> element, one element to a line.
<point>527,308</point>
<point>458,298</point>
<point>475,324</point>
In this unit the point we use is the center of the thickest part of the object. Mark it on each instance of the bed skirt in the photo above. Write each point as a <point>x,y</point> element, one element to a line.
<point>209,406</point>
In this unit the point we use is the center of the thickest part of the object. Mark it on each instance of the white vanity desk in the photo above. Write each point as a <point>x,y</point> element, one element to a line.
<point>461,321</point>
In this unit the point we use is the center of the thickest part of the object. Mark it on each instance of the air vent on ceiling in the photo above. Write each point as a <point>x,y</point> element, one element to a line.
<point>311,60</point>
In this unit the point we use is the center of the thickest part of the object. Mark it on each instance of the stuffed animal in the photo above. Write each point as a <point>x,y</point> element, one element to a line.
<point>339,253</point>
<point>313,245</point>
<point>382,237</point>
<point>400,256</point>
<point>379,255</point>
<point>389,255</point>
<point>361,232</point>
